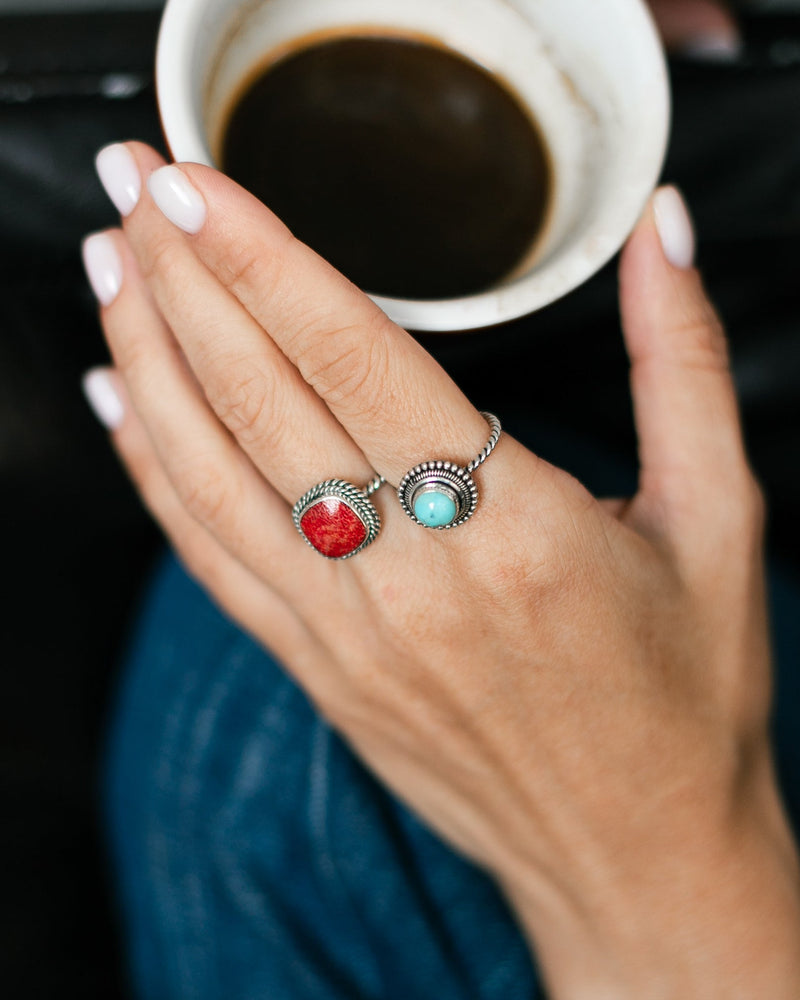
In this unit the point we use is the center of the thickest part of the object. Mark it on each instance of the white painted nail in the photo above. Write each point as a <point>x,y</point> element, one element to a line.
<point>103,267</point>
<point>675,228</point>
<point>178,199</point>
<point>120,176</point>
<point>103,398</point>
<point>721,48</point>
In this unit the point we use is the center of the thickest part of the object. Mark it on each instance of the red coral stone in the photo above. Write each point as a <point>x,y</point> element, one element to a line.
<point>333,528</point>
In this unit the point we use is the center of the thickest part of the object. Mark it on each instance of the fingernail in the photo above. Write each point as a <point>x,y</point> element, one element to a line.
<point>103,398</point>
<point>675,228</point>
<point>103,266</point>
<point>178,199</point>
<point>120,176</point>
<point>721,47</point>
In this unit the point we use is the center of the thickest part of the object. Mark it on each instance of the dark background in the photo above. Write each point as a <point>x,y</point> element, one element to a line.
<point>76,542</point>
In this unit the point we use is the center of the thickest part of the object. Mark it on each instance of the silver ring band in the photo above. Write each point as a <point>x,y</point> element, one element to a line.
<point>491,444</point>
<point>374,485</point>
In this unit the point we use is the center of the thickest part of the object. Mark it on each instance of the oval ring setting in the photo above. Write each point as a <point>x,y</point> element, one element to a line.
<point>438,495</point>
<point>443,495</point>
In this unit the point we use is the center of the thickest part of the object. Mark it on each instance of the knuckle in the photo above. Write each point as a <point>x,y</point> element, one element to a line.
<point>133,354</point>
<point>241,399</point>
<point>703,344</point>
<point>206,495</point>
<point>352,371</point>
<point>249,272</point>
<point>527,581</point>
<point>560,535</point>
<point>161,259</point>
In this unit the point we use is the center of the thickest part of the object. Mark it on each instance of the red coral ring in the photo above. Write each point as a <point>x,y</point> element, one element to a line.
<point>337,519</point>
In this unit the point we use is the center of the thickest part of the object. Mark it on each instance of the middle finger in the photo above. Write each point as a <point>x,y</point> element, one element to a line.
<point>279,421</point>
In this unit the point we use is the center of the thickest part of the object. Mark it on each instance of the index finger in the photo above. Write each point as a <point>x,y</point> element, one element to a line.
<point>396,402</point>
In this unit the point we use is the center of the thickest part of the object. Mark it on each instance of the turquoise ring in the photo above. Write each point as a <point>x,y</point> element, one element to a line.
<point>443,495</point>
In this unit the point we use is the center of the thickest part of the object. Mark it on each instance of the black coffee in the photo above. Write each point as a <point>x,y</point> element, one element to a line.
<point>411,169</point>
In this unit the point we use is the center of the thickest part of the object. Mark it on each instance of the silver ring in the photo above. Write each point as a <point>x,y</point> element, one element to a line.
<point>337,519</point>
<point>443,495</point>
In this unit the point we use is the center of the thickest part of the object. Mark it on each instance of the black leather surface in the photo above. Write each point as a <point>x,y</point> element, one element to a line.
<point>76,541</point>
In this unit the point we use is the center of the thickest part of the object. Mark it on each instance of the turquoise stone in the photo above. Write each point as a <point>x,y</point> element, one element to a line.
<point>435,509</point>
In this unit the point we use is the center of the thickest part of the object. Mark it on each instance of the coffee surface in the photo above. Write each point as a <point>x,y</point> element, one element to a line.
<point>411,169</point>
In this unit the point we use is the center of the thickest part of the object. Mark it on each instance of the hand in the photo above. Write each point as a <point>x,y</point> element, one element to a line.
<point>703,26</point>
<point>573,692</point>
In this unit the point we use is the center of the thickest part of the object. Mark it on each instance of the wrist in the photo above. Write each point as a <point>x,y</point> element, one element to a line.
<point>714,917</point>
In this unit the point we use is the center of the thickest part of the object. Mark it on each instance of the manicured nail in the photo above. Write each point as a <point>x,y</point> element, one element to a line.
<point>103,266</point>
<point>675,228</point>
<point>178,199</point>
<point>120,176</point>
<point>103,398</point>
<point>723,47</point>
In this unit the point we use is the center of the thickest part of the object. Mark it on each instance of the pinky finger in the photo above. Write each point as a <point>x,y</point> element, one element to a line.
<point>248,601</point>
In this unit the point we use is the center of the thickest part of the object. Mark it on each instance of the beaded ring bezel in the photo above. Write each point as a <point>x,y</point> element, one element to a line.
<point>450,480</point>
<point>427,477</point>
<point>356,499</point>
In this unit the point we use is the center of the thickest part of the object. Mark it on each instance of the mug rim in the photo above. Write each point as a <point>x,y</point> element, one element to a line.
<point>521,296</point>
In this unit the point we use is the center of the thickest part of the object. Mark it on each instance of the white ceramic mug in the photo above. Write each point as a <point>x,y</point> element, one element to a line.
<point>592,73</point>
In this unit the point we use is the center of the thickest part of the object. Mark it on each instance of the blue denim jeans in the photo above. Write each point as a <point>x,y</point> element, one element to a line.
<point>258,860</point>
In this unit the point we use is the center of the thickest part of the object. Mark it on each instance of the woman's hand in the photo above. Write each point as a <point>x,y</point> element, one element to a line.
<point>573,692</point>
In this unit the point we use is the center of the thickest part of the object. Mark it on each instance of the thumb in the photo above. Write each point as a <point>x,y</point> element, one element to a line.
<point>693,462</point>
